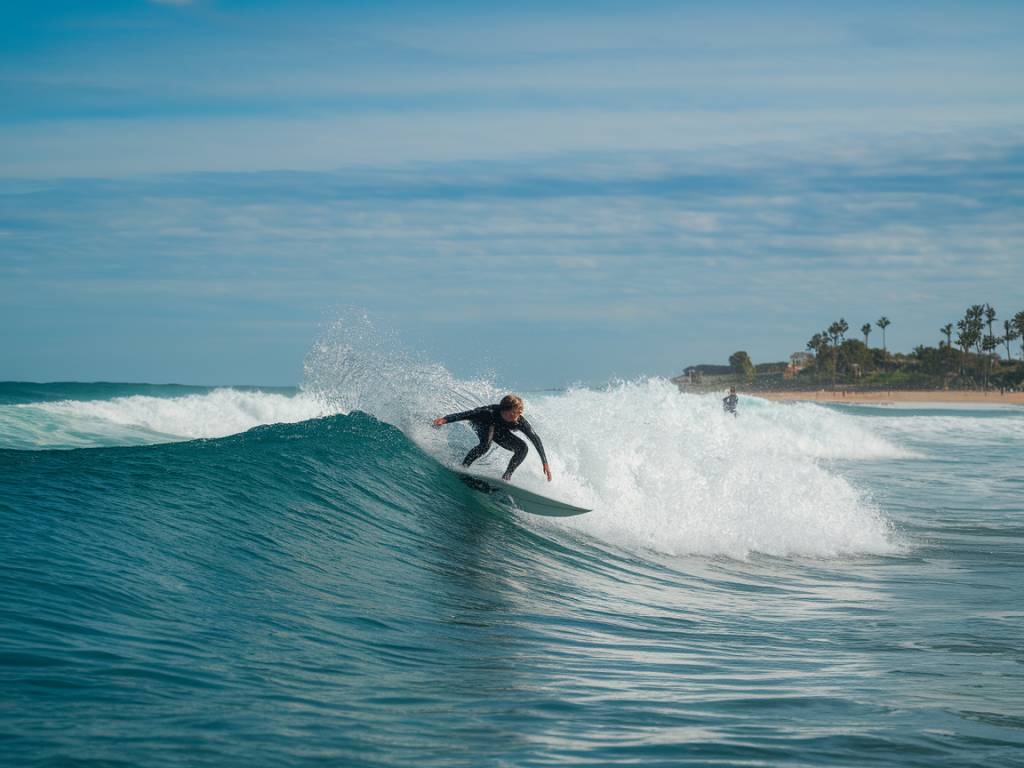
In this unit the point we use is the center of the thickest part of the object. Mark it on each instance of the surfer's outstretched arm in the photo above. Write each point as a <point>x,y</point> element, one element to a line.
<point>483,411</point>
<point>524,425</point>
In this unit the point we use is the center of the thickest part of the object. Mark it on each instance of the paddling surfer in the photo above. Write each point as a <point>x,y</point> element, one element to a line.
<point>496,423</point>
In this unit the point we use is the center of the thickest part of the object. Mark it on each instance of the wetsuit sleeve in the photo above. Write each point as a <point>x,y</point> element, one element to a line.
<point>476,413</point>
<point>528,431</point>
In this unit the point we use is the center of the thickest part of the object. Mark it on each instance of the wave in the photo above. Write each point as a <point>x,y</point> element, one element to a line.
<point>145,419</point>
<point>662,470</point>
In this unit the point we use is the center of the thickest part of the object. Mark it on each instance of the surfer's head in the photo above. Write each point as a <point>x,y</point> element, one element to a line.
<point>511,407</point>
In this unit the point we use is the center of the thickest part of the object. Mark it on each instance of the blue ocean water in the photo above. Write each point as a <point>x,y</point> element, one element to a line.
<point>245,577</point>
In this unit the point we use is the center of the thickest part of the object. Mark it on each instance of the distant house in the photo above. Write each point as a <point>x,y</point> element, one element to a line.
<point>797,362</point>
<point>690,375</point>
<point>697,374</point>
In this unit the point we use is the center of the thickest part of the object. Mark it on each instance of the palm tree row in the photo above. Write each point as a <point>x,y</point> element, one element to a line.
<point>971,335</point>
<point>976,337</point>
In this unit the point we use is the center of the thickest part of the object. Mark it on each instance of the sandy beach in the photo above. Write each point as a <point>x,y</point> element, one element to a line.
<point>992,397</point>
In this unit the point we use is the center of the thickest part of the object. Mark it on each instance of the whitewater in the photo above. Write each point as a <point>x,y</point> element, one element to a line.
<point>250,576</point>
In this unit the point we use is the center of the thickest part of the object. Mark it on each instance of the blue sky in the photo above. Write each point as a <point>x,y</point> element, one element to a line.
<point>553,193</point>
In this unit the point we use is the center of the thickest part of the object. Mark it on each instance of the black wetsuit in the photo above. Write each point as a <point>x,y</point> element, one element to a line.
<point>729,403</point>
<point>490,426</point>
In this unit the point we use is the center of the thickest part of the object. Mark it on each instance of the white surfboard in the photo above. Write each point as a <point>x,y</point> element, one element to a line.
<point>528,501</point>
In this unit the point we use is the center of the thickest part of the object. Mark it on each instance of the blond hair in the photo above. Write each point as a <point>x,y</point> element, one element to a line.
<point>512,403</point>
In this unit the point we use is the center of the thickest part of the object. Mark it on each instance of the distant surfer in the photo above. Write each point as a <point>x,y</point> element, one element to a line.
<point>729,402</point>
<point>496,423</point>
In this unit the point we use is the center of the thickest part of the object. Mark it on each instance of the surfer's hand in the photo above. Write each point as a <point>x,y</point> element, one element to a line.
<point>547,471</point>
<point>507,477</point>
<point>439,421</point>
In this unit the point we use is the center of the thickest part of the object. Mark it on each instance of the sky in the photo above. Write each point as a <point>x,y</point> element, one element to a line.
<point>544,193</point>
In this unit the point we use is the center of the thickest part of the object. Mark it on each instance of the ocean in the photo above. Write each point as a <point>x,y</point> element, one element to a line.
<point>240,576</point>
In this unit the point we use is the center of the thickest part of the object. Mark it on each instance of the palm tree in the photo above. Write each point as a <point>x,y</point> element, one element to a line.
<point>989,344</point>
<point>818,344</point>
<point>963,340</point>
<point>1018,324</point>
<point>866,330</point>
<point>975,321</point>
<point>975,316</point>
<point>883,323</point>
<point>990,341</point>
<point>947,331</point>
<point>1009,334</point>
<point>835,333</point>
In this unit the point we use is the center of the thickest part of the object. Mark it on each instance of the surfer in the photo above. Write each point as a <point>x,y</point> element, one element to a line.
<point>495,423</point>
<point>729,402</point>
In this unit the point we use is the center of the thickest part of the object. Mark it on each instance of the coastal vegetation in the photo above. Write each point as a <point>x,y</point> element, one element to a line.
<point>977,351</point>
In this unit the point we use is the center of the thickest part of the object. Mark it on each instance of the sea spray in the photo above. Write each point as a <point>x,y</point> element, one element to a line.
<point>355,365</point>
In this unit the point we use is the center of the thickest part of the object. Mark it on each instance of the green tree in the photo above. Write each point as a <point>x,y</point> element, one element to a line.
<point>930,360</point>
<point>741,365</point>
<point>990,342</point>
<point>988,345</point>
<point>866,330</point>
<point>854,357</point>
<point>968,336</point>
<point>1018,324</point>
<point>1009,334</point>
<point>835,334</point>
<point>883,322</point>
<point>818,344</point>
<point>974,318</point>
<point>990,317</point>
<point>947,331</point>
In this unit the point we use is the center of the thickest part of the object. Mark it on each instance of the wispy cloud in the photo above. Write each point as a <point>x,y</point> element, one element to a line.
<point>315,86</point>
<point>643,184</point>
<point>647,243</point>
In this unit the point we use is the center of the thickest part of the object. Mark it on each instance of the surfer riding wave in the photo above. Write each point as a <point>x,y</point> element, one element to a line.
<point>495,423</point>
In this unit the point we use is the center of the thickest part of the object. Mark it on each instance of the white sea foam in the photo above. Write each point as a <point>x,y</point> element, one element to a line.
<point>959,429</point>
<point>674,473</point>
<point>143,419</point>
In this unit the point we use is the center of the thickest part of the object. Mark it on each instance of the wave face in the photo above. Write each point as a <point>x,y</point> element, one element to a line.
<point>779,588</point>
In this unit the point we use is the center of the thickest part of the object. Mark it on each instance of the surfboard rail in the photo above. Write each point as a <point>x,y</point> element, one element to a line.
<point>523,499</point>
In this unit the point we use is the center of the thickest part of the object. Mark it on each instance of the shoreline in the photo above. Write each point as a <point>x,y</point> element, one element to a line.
<point>883,397</point>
